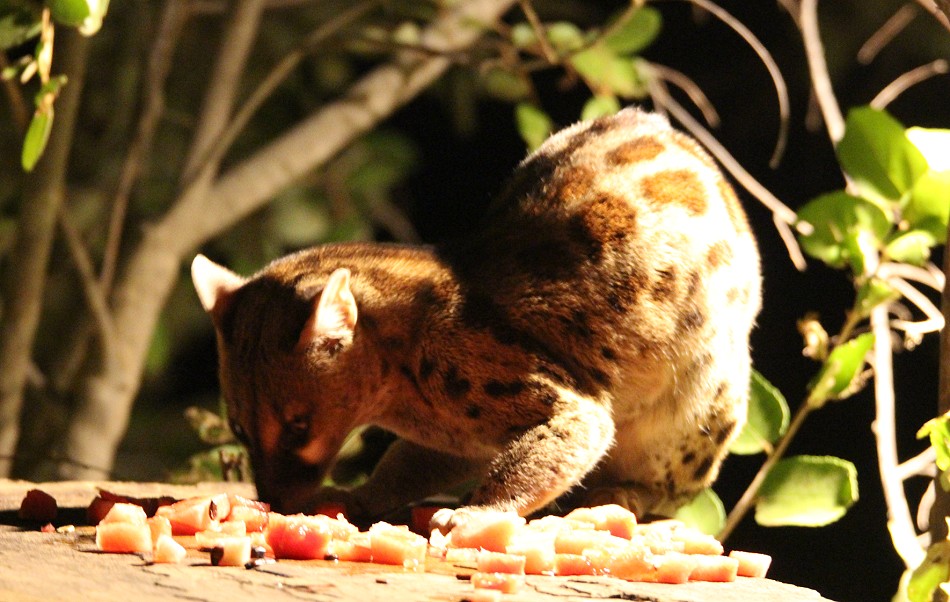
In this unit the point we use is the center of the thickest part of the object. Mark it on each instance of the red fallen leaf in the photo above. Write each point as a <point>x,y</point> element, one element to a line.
<point>101,505</point>
<point>38,506</point>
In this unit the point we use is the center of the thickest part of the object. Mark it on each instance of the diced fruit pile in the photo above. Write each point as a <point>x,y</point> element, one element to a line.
<point>497,548</point>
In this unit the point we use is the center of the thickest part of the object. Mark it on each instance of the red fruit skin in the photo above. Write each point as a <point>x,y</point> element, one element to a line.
<point>39,506</point>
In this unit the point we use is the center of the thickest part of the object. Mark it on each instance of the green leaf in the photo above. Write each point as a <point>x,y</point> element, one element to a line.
<point>600,106</point>
<point>767,421</point>
<point>534,125</point>
<point>839,376</point>
<point>938,431</point>
<point>37,135</point>
<point>928,205</point>
<point>565,37</point>
<point>71,13</point>
<point>505,85</point>
<point>877,155</point>
<point>933,144</point>
<point>607,73</point>
<point>18,26</point>
<point>636,33</point>
<point>842,224</point>
<point>872,293</point>
<point>807,491</point>
<point>704,512</point>
<point>911,247</point>
<point>934,570</point>
<point>523,35</point>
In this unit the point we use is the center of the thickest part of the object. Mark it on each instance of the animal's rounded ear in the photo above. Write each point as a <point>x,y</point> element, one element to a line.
<point>214,284</point>
<point>334,314</point>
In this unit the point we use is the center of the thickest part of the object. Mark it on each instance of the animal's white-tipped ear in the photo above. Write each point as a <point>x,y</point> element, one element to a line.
<point>213,283</point>
<point>334,314</point>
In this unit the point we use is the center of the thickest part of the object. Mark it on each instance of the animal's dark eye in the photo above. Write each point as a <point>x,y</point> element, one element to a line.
<point>238,431</point>
<point>296,432</point>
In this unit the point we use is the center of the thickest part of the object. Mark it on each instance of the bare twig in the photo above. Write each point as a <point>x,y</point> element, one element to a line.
<point>781,90</point>
<point>900,520</point>
<point>528,9</point>
<point>692,89</point>
<point>173,17</point>
<point>18,106</point>
<point>239,35</point>
<point>821,81</point>
<point>939,10</point>
<point>92,290</point>
<point>908,79</point>
<point>887,32</point>
<point>929,275</point>
<point>921,465</point>
<point>276,76</point>
<point>785,218</point>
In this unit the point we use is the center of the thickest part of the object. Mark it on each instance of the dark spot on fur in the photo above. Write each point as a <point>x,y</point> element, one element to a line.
<point>665,284</point>
<point>688,457</point>
<point>473,412</point>
<point>455,385</point>
<point>718,254</point>
<point>499,389</point>
<point>692,288</point>
<point>702,470</point>
<point>720,391</point>
<point>608,354</point>
<point>725,432</point>
<point>601,377</point>
<point>693,320</point>
<point>426,366</point>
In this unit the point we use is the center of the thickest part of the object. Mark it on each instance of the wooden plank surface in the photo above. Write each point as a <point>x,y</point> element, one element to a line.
<point>36,566</point>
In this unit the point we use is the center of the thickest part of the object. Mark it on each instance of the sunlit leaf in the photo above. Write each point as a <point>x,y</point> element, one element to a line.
<point>534,125</point>
<point>911,247</point>
<point>807,491</point>
<point>839,221</point>
<point>768,418</point>
<point>934,570</point>
<point>841,372</point>
<point>928,205</point>
<point>938,431</point>
<point>600,106</point>
<point>523,35</point>
<point>18,26</point>
<point>704,512</point>
<point>37,135</point>
<point>933,144</point>
<point>71,13</point>
<point>877,155</point>
<point>636,33</point>
<point>606,72</point>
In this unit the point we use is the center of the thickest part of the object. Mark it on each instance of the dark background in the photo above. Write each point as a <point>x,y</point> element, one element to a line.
<point>852,559</point>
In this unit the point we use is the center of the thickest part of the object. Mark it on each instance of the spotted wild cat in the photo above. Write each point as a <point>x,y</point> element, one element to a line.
<point>588,343</point>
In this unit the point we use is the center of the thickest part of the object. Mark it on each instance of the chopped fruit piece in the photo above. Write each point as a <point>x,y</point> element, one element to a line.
<point>37,506</point>
<point>500,562</point>
<point>299,537</point>
<point>125,513</point>
<point>751,564</point>
<point>503,582</point>
<point>575,542</point>
<point>537,547</point>
<point>355,549</point>
<point>254,519</point>
<point>233,550</point>
<point>124,537</point>
<point>397,545</point>
<point>485,529</point>
<point>610,517</point>
<point>159,526</point>
<point>573,564</point>
<point>674,567</point>
<point>632,563</point>
<point>167,550</point>
<point>189,516</point>
<point>714,568</point>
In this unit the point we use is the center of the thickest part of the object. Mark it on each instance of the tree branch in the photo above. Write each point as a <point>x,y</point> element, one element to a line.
<point>25,277</point>
<point>201,213</point>
<point>821,81</point>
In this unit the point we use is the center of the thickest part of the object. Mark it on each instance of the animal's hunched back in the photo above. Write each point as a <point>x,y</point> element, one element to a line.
<point>588,344</point>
